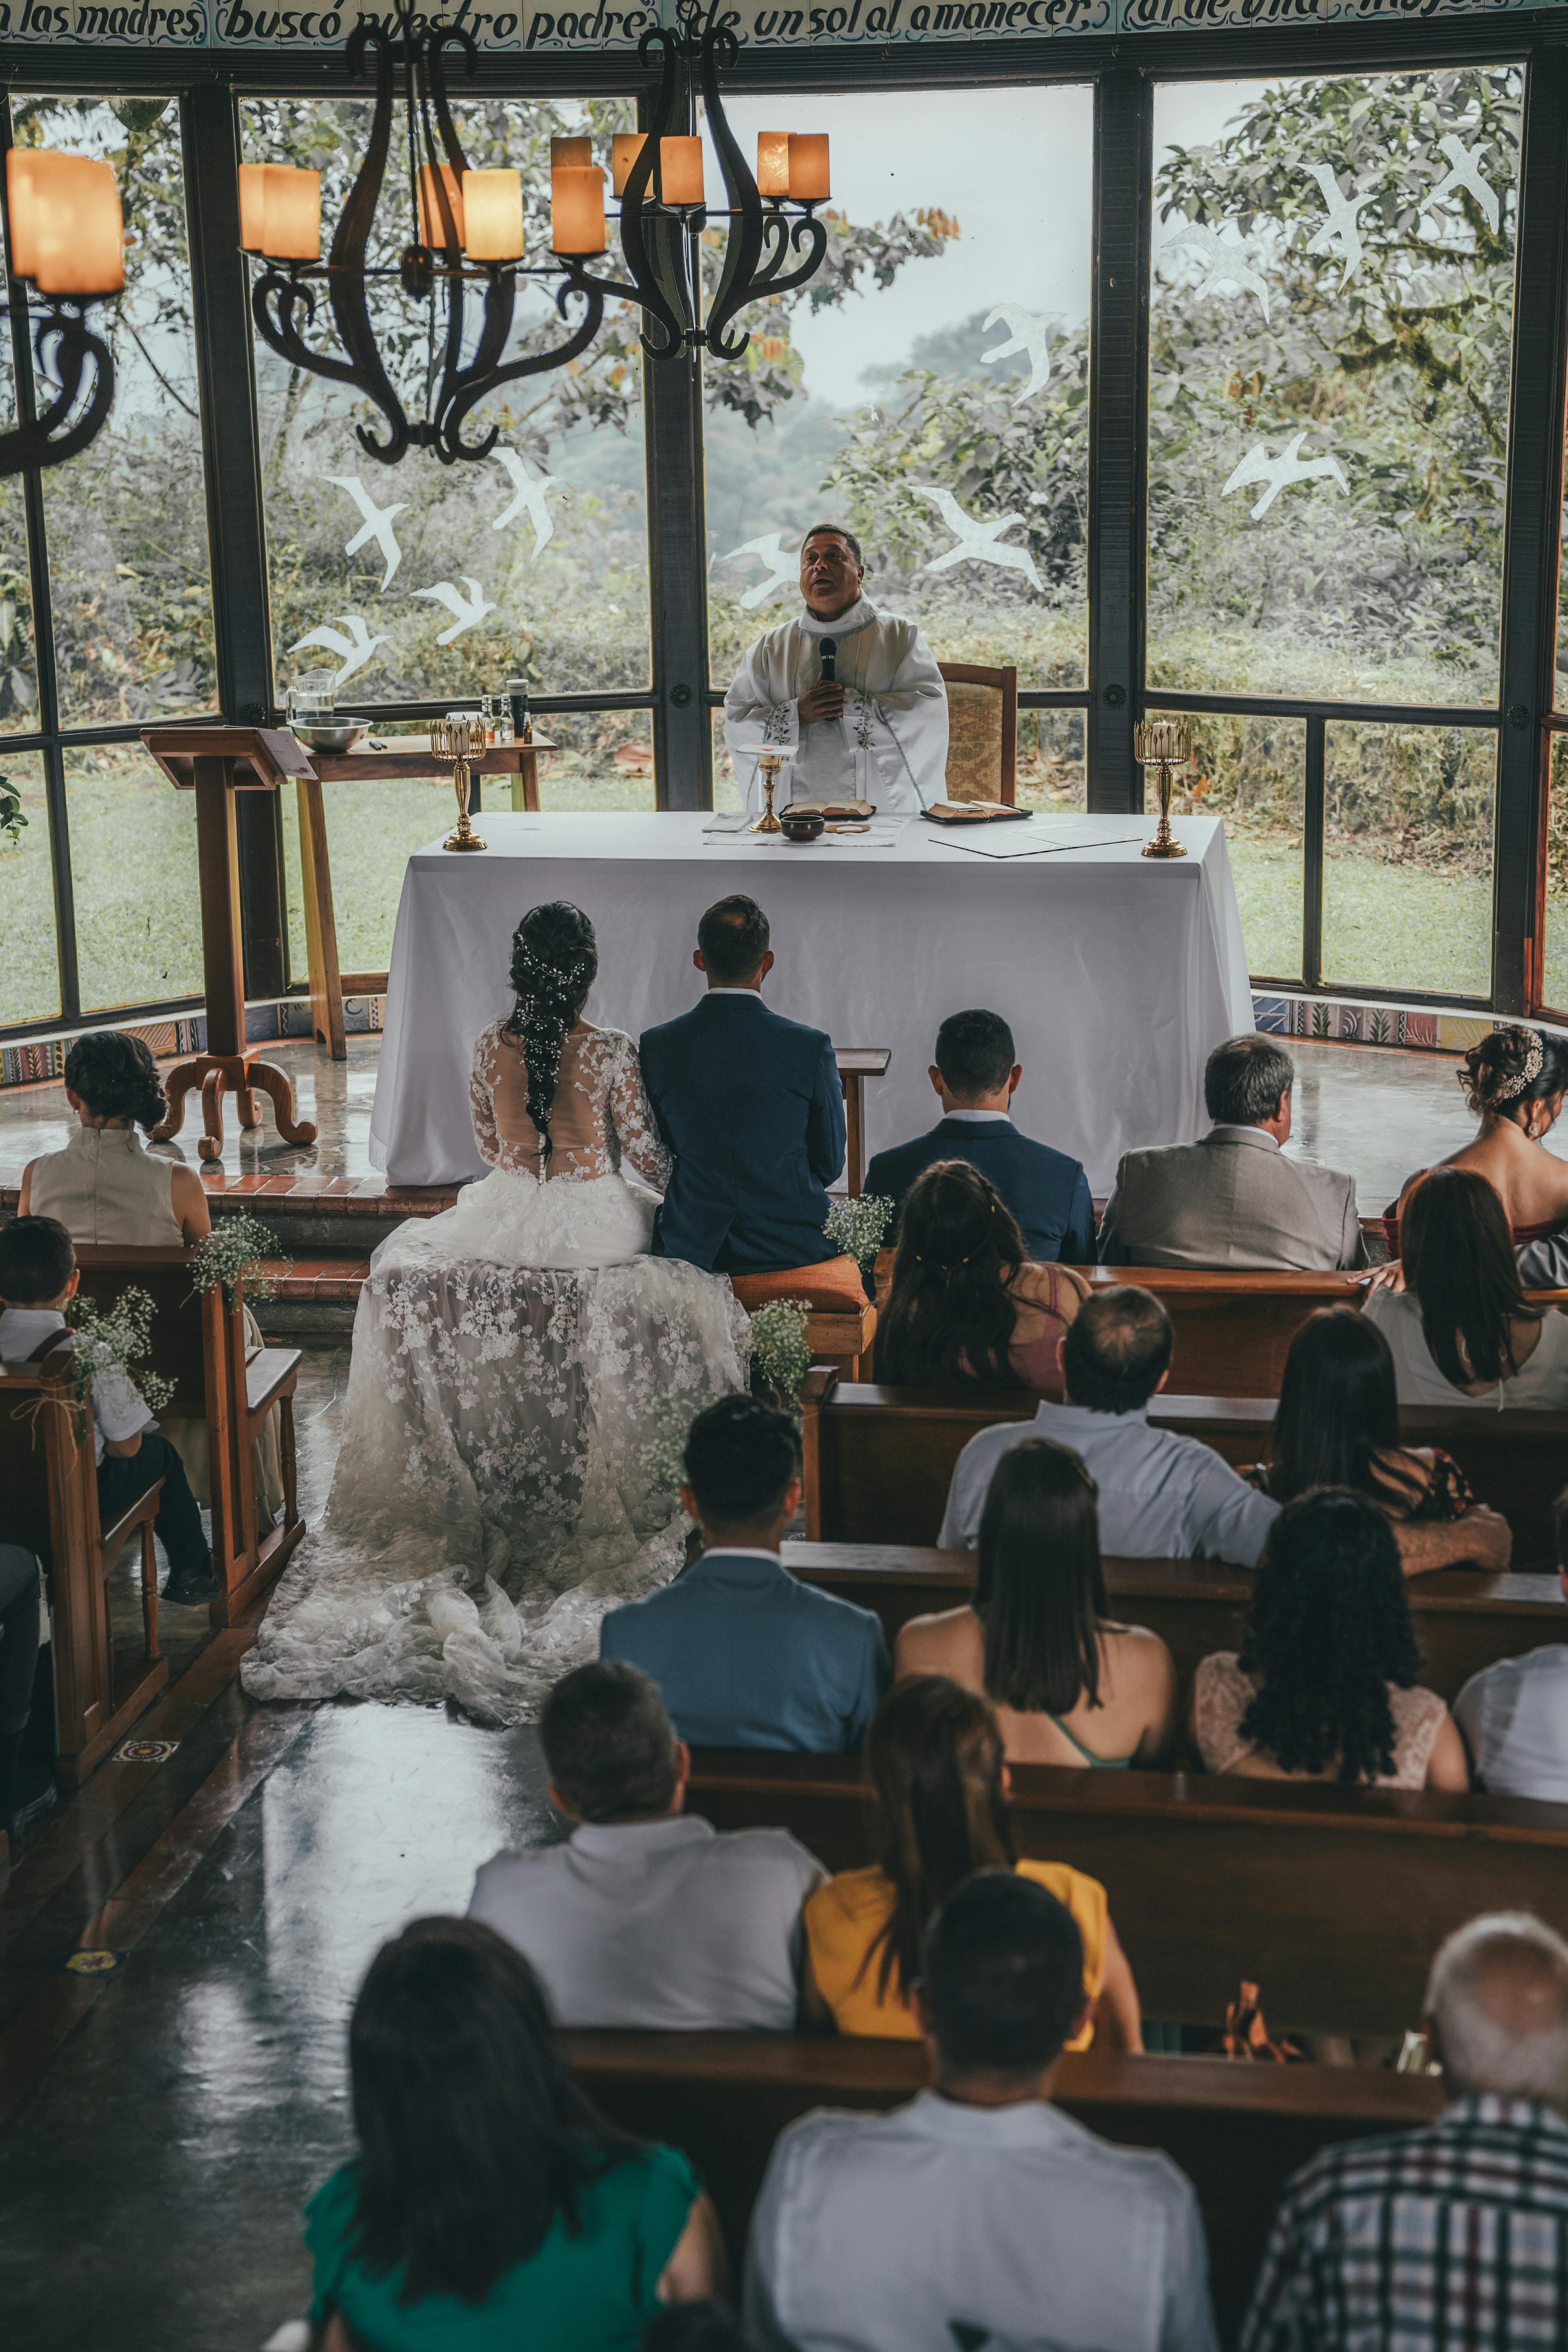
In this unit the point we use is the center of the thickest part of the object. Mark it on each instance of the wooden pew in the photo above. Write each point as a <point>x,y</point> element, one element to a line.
<point>878,1461</point>
<point>1465,1619</point>
<point>1237,2131</point>
<point>1332,1900</point>
<point>199,1345</point>
<point>50,1486</point>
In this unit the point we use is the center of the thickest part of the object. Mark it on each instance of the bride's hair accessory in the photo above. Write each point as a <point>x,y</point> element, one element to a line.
<point>1525,1077</point>
<point>1508,1064</point>
<point>554,962</point>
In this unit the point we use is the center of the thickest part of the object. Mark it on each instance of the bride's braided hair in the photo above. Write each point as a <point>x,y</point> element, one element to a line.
<point>554,962</point>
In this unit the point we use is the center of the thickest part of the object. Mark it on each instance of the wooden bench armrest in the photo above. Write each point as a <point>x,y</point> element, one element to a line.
<point>819,1385</point>
<point>145,1507</point>
<point>269,1373</point>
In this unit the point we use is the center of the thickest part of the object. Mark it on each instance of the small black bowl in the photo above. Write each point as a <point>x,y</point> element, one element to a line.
<point>803,827</point>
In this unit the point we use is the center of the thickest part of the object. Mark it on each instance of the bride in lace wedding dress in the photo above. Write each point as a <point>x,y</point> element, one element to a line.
<point>492,1498</point>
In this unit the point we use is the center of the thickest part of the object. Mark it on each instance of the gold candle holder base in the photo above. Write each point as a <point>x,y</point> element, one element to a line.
<point>768,767</point>
<point>1164,745</point>
<point>456,740</point>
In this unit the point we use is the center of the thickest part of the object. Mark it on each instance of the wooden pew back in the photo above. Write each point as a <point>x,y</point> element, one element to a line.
<point>1237,2131</point>
<point>1332,1900</point>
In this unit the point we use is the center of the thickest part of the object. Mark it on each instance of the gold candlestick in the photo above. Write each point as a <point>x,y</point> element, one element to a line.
<point>768,766</point>
<point>456,740</point>
<point>1164,744</point>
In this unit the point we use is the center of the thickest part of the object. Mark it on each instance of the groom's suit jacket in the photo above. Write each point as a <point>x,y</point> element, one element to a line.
<point>750,1108</point>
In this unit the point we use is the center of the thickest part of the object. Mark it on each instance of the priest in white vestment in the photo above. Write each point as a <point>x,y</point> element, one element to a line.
<point>878,733</point>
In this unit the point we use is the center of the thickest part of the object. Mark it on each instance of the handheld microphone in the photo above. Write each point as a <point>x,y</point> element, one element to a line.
<point>829,650</point>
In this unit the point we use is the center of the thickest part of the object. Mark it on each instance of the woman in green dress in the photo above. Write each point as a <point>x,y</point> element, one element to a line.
<point>490,2205</point>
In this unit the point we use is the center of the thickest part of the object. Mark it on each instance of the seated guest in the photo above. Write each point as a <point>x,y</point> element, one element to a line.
<point>745,1654</point>
<point>1324,1686</point>
<point>490,2204</point>
<point>1233,1199</point>
<point>26,1791</point>
<point>646,1917</point>
<point>1514,1081</point>
<point>1454,1311</point>
<point>874,727</point>
<point>976,1078</point>
<point>935,1768</point>
<point>37,1275</point>
<point>751,1110</point>
<point>1069,1686</point>
<point>1513,1715</point>
<point>1161,1496</point>
<point>1338,1426</point>
<point>980,2213</point>
<point>1452,2235</point>
<point>967,1308</point>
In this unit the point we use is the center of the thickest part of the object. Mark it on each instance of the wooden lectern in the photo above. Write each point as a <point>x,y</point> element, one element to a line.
<point>216,762</point>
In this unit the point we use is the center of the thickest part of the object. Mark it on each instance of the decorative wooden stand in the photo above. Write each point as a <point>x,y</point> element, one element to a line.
<point>216,762</point>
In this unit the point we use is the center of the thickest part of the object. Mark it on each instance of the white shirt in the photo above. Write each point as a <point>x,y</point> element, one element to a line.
<point>662,1926</point>
<point>1161,1496</point>
<point>1514,1716</point>
<point>1004,1116</point>
<point>889,2234</point>
<point>890,745</point>
<point>1540,1384</point>
<point>118,1413</point>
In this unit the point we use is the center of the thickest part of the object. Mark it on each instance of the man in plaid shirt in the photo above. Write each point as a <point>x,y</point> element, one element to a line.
<point>1454,2239</point>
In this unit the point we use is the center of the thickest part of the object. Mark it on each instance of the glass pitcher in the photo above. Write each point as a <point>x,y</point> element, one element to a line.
<point>311,699</point>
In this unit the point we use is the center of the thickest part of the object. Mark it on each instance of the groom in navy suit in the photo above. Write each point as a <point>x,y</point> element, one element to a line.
<point>750,1108</point>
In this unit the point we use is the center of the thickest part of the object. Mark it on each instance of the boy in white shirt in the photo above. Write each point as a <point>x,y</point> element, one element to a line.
<point>37,1275</point>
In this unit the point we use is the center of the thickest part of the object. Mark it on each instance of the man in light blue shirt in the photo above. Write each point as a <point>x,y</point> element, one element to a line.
<point>745,1655</point>
<point>1161,1496</point>
<point>1513,1715</point>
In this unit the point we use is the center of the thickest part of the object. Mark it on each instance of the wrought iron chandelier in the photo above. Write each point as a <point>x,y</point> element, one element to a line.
<point>65,248</point>
<point>466,232</point>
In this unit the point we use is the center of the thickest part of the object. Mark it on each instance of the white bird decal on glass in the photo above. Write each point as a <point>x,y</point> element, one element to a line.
<point>1344,223</point>
<point>977,540</point>
<point>356,647</point>
<point>1225,261</point>
<point>1028,330</point>
<point>1465,171</point>
<point>532,497</point>
<point>1280,472</point>
<point>465,610</point>
<point>378,522</point>
<point>784,570</point>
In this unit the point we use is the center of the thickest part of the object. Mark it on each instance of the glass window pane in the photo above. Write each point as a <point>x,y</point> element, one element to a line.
<point>1555,968</point>
<point>931,381</point>
<point>126,520</point>
<point>1252,773</point>
<point>133,869</point>
<point>18,662</point>
<point>1330,334</point>
<point>1050,760</point>
<point>1407,857</point>
<point>422,580</point>
<point>30,968</point>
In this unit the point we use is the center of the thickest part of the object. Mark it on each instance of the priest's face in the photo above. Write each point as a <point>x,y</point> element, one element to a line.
<point>830,576</point>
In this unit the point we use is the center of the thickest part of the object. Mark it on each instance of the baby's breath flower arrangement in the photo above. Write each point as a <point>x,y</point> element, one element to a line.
<point>779,1349</point>
<point>856,1228</point>
<point>233,1253</point>
<point>114,1340</point>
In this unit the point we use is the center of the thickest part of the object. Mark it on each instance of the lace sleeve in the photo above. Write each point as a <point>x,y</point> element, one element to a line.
<point>631,1120</point>
<point>481,1096</point>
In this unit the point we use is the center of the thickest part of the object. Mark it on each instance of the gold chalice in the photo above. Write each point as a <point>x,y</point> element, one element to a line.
<point>458,740</point>
<point>1164,744</point>
<point>768,766</point>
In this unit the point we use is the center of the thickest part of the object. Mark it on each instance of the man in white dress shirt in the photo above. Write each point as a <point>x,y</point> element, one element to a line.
<point>979,2214</point>
<point>876,732</point>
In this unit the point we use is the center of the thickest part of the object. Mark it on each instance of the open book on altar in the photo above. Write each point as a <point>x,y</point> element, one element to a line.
<point>831,809</point>
<point>972,812</point>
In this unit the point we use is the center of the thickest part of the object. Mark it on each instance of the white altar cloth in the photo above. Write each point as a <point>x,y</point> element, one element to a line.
<point>1118,973</point>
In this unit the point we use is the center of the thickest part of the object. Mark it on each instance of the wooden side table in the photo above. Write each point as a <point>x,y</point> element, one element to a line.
<point>216,762</point>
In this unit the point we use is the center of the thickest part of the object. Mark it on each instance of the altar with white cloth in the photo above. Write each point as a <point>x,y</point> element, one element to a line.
<point>1118,973</point>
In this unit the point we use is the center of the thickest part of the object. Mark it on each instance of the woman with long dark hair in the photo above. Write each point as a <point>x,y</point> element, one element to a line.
<point>1069,1685</point>
<point>1514,1080</point>
<point>490,2204</point>
<point>968,1307</point>
<point>516,1360</point>
<point>1324,1686</point>
<point>939,1783</point>
<point>1454,1311</point>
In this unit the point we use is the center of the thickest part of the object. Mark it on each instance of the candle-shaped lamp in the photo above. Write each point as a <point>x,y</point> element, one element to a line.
<point>625,149</point>
<point>808,166</point>
<point>492,215</point>
<point>574,154</point>
<point>681,171</point>
<point>432,221</point>
<point>576,209</point>
<point>280,212</point>
<point>80,230</point>
<point>27,170</point>
<point>773,163</point>
<point>252,207</point>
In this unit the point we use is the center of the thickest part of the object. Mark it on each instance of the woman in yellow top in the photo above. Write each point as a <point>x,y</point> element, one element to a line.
<point>935,1763</point>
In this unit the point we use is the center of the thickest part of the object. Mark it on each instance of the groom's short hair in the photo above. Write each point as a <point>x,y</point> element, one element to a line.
<point>974,1053</point>
<point>740,1454</point>
<point>733,936</point>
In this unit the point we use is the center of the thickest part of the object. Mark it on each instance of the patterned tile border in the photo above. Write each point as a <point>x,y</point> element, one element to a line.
<point>1346,1023</point>
<point>31,1064</point>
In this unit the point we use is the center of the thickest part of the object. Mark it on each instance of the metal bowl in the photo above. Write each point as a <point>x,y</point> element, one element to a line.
<point>343,737</point>
<point>802,827</point>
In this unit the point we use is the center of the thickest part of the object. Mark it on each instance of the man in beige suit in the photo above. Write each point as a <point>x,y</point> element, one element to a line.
<point>1234,1200</point>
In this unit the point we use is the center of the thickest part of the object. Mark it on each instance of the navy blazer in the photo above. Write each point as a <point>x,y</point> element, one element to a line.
<point>750,1108</point>
<point>1046,1191</point>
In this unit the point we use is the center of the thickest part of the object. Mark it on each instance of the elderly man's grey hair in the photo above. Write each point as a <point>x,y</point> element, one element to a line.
<point>1498,2002</point>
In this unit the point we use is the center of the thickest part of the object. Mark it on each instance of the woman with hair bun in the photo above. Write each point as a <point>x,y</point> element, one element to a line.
<point>1514,1080</point>
<point>105,1186</point>
<point>518,1361</point>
